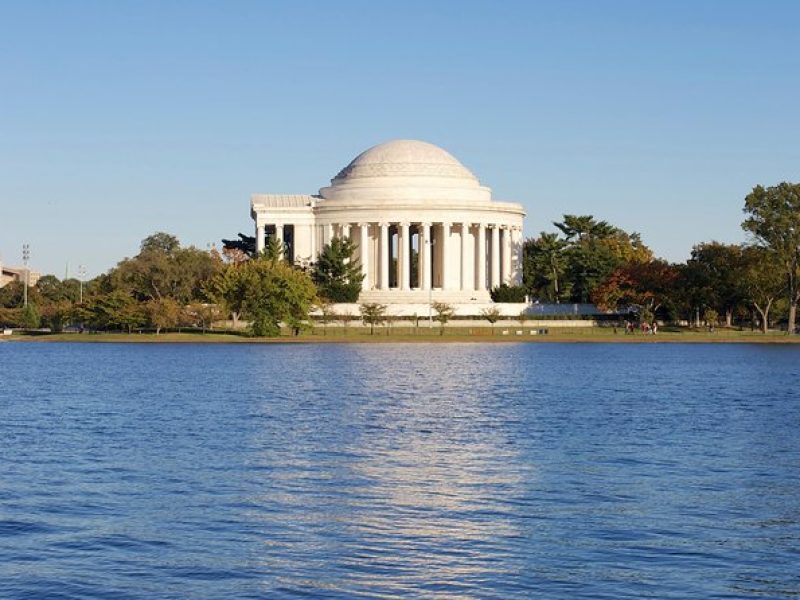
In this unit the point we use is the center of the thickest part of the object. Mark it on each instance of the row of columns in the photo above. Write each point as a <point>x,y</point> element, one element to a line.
<point>499,255</point>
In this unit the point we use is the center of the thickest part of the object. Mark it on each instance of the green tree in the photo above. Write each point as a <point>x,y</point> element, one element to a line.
<point>773,219</point>
<point>762,280</point>
<point>692,292</point>
<point>30,317</point>
<point>273,249</point>
<point>444,312</point>
<point>717,270</point>
<point>571,268</point>
<point>589,263</point>
<point>163,269</point>
<point>113,310</point>
<point>581,227</point>
<point>508,293</point>
<point>337,273</point>
<point>229,289</point>
<point>56,299</point>
<point>239,250</point>
<point>274,292</point>
<point>11,294</point>
<point>160,242</point>
<point>372,314</point>
<point>50,288</point>
<point>544,265</point>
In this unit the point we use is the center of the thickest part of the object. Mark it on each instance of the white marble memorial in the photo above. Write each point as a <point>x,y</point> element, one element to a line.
<point>398,200</point>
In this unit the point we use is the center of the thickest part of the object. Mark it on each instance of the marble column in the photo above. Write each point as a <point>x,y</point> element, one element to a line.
<point>506,266</point>
<point>516,256</point>
<point>481,252</point>
<point>405,257</point>
<point>495,257</point>
<point>445,244</point>
<point>464,260</point>
<point>259,239</point>
<point>312,242</point>
<point>364,247</point>
<point>345,231</point>
<point>279,237</point>
<point>328,234</point>
<point>384,256</point>
<point>425,252</point>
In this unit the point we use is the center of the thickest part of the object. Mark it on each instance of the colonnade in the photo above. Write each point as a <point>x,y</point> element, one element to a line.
<point>451,256</point>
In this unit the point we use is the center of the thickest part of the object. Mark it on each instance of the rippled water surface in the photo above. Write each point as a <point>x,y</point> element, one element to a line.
<point>474,471</point>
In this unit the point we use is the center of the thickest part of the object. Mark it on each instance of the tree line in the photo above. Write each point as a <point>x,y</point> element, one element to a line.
<point>167,286</point>
<point>755,283</point>
<point>585,260</point>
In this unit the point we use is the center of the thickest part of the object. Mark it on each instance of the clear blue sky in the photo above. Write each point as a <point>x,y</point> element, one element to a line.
<point>118,119</point>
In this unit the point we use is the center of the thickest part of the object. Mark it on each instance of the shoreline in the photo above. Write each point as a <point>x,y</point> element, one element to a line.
<point>359,337</point>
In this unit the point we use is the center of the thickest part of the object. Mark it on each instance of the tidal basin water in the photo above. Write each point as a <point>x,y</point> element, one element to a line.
<point>419,471</point>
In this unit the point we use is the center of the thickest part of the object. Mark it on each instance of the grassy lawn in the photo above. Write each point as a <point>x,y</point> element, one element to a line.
<point>479,333</point>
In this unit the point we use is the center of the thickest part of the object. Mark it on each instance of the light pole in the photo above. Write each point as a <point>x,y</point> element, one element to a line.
<point>81,275</point>
<point>26,254</point>
<point>429,267</point>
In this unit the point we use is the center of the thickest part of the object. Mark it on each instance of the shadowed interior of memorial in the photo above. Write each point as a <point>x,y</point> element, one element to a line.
<point>425,227</point>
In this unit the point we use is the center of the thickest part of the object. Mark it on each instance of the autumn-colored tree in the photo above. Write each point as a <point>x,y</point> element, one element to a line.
<point>643,286</point>
<point>559,269</point>
<point>163,313</point>
<point>56,314</point>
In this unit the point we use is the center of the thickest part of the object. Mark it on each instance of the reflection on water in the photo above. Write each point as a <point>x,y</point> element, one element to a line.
<point>442,477</point>
<point>399,470</point>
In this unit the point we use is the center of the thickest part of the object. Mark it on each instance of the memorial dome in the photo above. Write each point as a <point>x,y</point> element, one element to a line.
<point>405,158</point>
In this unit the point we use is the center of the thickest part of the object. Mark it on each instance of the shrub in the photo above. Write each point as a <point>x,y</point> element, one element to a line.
<point>509,293</point>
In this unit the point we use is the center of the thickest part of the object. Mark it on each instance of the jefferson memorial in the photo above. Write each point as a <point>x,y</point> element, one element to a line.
<point>425,227</point>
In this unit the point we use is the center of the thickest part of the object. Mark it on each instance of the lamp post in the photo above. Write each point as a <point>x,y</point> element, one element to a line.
<point>81,275</point>
<point>26,254</point>
<point>429,267</point>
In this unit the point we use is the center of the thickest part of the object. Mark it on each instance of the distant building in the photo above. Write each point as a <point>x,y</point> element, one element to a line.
<point>424,225</point>
<point>9,274</point>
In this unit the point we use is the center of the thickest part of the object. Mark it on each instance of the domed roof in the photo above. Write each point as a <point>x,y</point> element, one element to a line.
<point>404,158</point>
